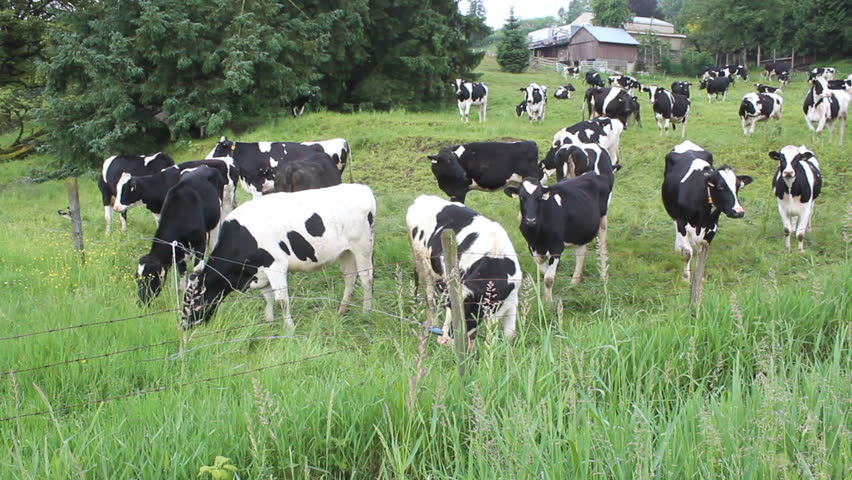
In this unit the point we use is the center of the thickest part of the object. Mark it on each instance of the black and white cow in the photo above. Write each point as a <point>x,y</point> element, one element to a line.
<point>483,166</point>
<point>258,161</point>
<point>264,239</point>
<point>316,170</point>
<point>612,102</point>
<point>695,194</point>
<point>112,170</point>
<point>669,108</point>
<point>797,183</point>
<point>624,81</point>
<point>571,212</point>
<point>573,71</point>
<point>490,272</point>
<point>784,78</point>
<point>469,93</point>
<point>761,88</point>
<point>602,131</point>
<point>521,108</point>
<point>681,87</point>
<point>535,97</point>
<point>339,151</point>
<point>759,107</point>
<point>150,190</point>
<point>297,105</point>
<point>730,71</point>
<point>715,86</point>
<point>825,106</point>
<point>593,79</point>
<point>564,92</point>
<point>776,68</point>
<point>191,214</point>
<point>845,85</point>
<point>822,72</point>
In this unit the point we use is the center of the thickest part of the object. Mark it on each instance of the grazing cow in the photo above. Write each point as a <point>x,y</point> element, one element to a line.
<point>316,170</point>
<point>730,71</point>
<point>535,96</point>
<point>825,106</point>
<point>761,88</point>
<point>602,131</point>
<point>483,166</point>
<point>191,214</point>
<point>297,105</point>
<point>784,78</point>
<point>775,68</point>
<point>822,72</point>
<point>264,239</point>
<point>669,108</point>
<point>571,212</point>
<point>681,87</point>
<point>489,268</point>
<point>258,161</point>
<point>467,94</point>
<point>112,170</point>
<point>611,102</point>
<point>593,79</point>
<point>150,190</point>
<point>521,108</point>
<point>759,107</point>
<point>797,184</point>
<point>624,81</point>
<point>573,71</point>
<point>695,194</point>
<point>564,92</point>
<point>715,86</point>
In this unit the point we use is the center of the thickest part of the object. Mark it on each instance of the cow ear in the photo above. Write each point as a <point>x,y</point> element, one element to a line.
<point>807,155</point>
<point>522,89</point>
<point>635,98</point>
<point>545,193</point>
<point>434,158</point>
<point>511,192</point>
<point>743,180</point>
<point>774,155</point>
<point>708,178</point>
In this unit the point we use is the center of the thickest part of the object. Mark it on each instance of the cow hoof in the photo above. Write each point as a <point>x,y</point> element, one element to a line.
<point>576,280</point>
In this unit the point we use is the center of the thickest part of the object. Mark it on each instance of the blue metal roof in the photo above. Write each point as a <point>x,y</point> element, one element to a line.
<point>611,35</point>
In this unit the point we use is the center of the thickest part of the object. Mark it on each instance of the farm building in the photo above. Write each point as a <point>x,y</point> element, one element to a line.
<point>641,27</point>
<point>589,43</point>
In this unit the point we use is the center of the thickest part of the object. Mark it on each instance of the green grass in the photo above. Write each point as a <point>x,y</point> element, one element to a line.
<point>621,381</point>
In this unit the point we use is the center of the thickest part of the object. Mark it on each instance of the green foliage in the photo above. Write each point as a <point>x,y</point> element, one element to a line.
<point>220,470</point>
<point>575,9</point>
<point>611,13</point>
<point>475,18</point>
<point>513,53</point>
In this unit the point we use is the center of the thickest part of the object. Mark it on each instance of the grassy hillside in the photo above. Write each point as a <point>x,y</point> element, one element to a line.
<point>615,381</point>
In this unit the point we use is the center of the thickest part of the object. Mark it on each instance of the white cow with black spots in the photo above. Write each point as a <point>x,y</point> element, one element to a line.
<point>797,183</point>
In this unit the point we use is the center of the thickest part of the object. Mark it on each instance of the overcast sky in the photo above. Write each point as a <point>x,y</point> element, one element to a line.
<point>498,10</point>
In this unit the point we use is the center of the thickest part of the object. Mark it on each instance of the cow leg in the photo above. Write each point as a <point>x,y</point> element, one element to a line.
<point>108,217</point>
<point>579,263</point>
<point>683,128</point>
<point>123,217</point>
<point>804,226</point>
<point>660,124</point>
<point>725,96</point>
<point>347,265</point>
<point>682,245</point>
<point>509,313</point>
<point>842,129</point>
<point>709,98</point>
<point>276,274</point>
<point>745,126</point>
<point>547,266</point>
<point>603,252</point>
<point>364,267</point>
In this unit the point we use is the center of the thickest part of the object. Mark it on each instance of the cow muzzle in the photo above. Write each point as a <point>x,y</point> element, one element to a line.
<point>119,208</point>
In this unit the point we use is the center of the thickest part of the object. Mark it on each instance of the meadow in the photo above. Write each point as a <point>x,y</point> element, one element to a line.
<point>618,380</point>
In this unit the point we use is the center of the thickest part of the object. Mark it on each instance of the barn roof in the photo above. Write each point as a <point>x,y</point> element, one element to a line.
<point>610,35</point>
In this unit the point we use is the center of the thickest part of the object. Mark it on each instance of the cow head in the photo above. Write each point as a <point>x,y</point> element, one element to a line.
<point>652,92</point>
<point>681,88</point>
<point>462,92</point>
<point>519,109</point>
<point>451,177</point>
<point>790,158</point>
<point>195,309</point>
<point>723,185</point>
<point>703,84</point>
<point>150,276</point>
<point>742,70</point>
<point>633,112</point>
<point>225,148</point>
<point>126,193</point>
<point>531,193</point>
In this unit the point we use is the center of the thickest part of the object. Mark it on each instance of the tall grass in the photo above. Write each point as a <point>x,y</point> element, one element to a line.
<point>616,382</point>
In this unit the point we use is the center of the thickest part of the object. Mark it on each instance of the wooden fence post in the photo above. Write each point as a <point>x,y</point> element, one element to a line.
<point>76,222</point>
<point>451,256</point>
<point>697,284</point>
<point>793,59</point>
<point>758,55</point>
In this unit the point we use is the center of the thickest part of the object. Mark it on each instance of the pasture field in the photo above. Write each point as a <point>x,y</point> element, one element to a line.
<point>615,381</point>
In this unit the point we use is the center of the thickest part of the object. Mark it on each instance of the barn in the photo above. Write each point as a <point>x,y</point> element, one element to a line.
<point>613,45</point>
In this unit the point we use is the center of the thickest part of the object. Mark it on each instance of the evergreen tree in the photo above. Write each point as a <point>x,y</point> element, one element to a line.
<point>611,13</point>
<point>513,52</point>
<point>478,30</point>
<point>645,8</point>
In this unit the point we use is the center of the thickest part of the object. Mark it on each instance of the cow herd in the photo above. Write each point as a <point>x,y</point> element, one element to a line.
<point>302,218</point>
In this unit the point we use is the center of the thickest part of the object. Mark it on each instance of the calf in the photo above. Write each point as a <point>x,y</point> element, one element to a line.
<point>483,166</point>
<point>264,239</point>
<point>602,131</point>
<point>759,107</point>
<point>761,88</point>
<point>571,212</point>
<point>695,194</point>
<point>681,87</point>
<point>784,78</point>
<point>715,86</point>
<point>669,108</point>
<point>297,105</point>
<point>489,268</point>
<point>573,71</point>
<point>314,171</point>
<point>150,190</point>
<point>535,96</point>
<point>593,79</point>
<point>624,81</point>
<point>825,106</point>
<point>117,165</point>
<point>797,185</point>
<point>467,94</point>
<point>822,72</point>
<point>191,214</point>
<point>521,108</point>
<point>564,92</point>
<point>611,102</point>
